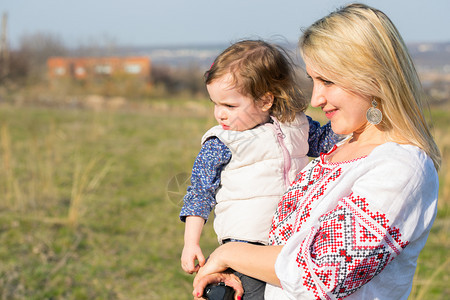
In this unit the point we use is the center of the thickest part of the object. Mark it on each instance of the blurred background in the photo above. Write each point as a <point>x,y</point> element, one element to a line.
<point>102,107</point>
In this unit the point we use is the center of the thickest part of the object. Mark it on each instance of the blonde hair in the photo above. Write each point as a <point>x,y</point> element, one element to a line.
<point>258,68</point>
<point>358,48</point>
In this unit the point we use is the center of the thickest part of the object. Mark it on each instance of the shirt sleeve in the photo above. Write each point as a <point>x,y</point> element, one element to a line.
<point>365,232</point>
<point>205,179</point>
<point>321,138</point>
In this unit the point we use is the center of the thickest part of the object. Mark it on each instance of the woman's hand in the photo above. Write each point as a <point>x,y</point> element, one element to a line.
<point>226,277</point>
<point>251,260</point>
<point>214,264</point>
<point>215,270</point>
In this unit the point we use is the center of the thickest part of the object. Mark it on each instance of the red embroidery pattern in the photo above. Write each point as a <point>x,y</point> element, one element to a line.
<point>353,244</point>
<point>346,252</point>
<point>381,219</point>
<point>312,182</point>
<point>395,233</point>
<point>286,232</point>
<point>307,278</point>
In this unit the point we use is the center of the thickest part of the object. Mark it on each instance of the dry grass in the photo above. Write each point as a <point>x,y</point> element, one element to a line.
<point>85,213</point>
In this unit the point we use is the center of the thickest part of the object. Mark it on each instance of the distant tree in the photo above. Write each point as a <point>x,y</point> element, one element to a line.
<point>18,66</point>
<point>36,48</point>
<point>193,80</point>
<point>180,80</point>
<point>164,75</point>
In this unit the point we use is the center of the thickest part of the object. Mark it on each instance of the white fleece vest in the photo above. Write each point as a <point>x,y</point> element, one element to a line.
<point>264,161</point>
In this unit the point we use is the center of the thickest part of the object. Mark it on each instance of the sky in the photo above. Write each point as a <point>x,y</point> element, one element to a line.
<point>191,22</point>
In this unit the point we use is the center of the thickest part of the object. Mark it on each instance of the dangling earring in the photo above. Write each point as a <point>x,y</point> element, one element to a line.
<point>373,114</point>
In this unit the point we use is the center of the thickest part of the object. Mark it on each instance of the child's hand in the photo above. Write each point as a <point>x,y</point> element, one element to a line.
<point>188,257</point>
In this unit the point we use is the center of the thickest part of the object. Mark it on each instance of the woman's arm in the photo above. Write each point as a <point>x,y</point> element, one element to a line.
<point>252,260</point>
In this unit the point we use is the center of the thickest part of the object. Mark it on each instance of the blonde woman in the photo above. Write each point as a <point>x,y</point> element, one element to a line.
<point>354,221</point>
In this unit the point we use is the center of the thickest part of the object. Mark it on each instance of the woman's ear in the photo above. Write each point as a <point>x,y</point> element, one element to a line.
<point>266,101</point>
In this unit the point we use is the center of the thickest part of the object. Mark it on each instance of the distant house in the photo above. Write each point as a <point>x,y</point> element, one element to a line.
<point>86,68</point>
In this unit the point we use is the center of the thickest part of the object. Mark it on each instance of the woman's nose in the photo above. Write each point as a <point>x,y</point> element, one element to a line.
<point>317,98</point>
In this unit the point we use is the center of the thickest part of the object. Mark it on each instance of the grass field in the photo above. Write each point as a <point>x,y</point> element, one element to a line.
<point>90,200</point>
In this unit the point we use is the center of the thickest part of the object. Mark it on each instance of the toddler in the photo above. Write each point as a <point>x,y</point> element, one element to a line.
<point>247,161</point>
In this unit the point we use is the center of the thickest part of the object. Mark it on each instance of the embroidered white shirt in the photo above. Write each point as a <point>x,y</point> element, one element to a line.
<point>355,229</point>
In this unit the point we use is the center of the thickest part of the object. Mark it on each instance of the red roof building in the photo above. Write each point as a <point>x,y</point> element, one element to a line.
<point>91,67</point>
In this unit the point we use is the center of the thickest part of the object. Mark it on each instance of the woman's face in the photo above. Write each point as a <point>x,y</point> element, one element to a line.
<point>345,110</point>
<point>232,110</point>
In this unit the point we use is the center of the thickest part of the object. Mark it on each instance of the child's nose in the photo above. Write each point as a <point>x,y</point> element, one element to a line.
<point>220,113</point>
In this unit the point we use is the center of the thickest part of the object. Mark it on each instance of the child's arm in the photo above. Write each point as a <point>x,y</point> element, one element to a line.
<point>205,179</point>
<point>321,138</point>
<point>200,198</point>
<point>191,250</point>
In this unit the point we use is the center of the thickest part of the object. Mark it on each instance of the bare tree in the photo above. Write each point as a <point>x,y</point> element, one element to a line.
<point>36,48</point>
<point>4,49</point>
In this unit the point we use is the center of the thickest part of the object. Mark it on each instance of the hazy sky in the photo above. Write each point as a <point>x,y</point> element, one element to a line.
<point>179,22</point>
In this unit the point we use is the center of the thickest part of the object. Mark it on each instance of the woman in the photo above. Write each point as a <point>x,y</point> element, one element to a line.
<point>354,221</point>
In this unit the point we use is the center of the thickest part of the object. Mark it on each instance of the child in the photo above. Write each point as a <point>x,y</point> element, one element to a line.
<point>247,162</point>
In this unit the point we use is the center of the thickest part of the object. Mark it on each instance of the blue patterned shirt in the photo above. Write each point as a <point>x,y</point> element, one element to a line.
<point>214,156</point>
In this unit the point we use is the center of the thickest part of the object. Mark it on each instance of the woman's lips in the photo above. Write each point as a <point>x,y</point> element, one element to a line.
<point>330,113</point>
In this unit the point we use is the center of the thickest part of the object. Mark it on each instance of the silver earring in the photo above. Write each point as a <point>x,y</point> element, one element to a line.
<point>373,114</point>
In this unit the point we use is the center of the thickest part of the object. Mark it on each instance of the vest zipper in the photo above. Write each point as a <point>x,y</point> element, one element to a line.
<point>286,155</point>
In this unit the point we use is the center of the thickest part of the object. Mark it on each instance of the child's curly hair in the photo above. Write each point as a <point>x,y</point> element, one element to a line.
<point>258,68</point>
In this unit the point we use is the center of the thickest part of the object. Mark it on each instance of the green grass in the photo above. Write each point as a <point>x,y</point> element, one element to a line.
<point>85,213</point>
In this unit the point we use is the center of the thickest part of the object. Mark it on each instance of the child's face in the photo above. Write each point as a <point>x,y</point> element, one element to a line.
<point>234,111</point>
